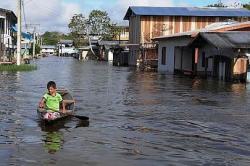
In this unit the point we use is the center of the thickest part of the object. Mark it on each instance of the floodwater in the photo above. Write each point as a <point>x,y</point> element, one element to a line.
<point>136,118</point>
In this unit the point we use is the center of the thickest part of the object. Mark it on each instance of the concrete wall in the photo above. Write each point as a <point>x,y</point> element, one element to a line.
<point>170,53</point>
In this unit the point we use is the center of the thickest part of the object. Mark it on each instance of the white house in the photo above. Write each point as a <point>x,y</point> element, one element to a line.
<point>7,40</point>
<point>66,48</point>
<point>48,49</point>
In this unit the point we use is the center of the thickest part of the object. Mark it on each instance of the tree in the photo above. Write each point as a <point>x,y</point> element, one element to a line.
<point>52,38</point>
<point>78,26</point>
<point>218,4</point>
<point>115,32</point>
<point>234,5</point>
<point>100,24</point>
<point>247,6</point>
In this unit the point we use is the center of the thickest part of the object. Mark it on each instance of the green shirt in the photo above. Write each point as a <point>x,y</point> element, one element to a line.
<point>52,102</point>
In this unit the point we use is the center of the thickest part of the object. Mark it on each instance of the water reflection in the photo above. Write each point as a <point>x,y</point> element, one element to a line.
<point>53,138</point>
<point>53,141</point>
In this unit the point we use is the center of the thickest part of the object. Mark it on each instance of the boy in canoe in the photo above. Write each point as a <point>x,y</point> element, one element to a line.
<point>51,101</point>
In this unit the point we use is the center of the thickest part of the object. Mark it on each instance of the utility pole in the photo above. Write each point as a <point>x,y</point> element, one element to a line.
<point>41,41</point>
<point>34,36</point>
<point>19,21</point>
<point>34,42</point>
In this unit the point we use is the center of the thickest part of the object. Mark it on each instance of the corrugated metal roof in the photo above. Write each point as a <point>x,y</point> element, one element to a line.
<point>233,39</point>
<point>186,11</point>
<point>209,28</point>
<point>116,42</point>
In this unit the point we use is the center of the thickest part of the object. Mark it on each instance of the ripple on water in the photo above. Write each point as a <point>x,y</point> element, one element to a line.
<point>136,118</point>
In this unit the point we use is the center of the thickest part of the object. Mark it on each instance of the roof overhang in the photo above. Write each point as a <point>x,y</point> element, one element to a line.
<point>186,11</point>
<point>222,40</point>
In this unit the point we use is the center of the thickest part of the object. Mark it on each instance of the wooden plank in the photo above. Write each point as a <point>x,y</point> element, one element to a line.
<point>177,24</point>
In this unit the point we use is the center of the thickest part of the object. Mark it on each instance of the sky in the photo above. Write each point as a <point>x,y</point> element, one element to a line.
<point>55,15</point>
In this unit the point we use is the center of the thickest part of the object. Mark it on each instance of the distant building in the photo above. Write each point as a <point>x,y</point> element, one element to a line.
<point>123,34</point>
<point>48,49</point>
<point>146,23</point>
<point>106,48</point>
<point>66,48</point>
<point>7,38</point>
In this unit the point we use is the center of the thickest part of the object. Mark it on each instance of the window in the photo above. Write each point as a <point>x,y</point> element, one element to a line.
<point>203,56</point>
<point>163,56</point>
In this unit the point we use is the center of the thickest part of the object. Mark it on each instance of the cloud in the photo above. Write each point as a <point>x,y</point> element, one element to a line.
<point>118,11</point>
<point>51,15</point>
<point>54,15</point>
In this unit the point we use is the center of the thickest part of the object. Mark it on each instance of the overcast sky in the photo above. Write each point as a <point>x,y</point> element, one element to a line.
<point>54,15</point>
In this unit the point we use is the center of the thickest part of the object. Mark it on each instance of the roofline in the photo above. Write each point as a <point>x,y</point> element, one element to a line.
<point>184,34</point>
<point>9,12</point>
<point>128,15</point>
<point>232,27</point>
<point>217,47</point>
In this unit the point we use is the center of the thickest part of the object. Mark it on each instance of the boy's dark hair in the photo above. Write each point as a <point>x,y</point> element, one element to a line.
<point>51,84</point>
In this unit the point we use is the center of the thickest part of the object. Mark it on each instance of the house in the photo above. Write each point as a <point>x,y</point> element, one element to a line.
<point>220,50</point>
<point>222,55</point>
<point>146,23</point>
<point>7,38</point>
<point>48,49</point>
<point>123,34</point>
<point>106,48</point>
<point>66,48</point>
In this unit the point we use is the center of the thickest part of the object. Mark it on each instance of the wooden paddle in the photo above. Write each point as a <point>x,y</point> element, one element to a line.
<point>80,117</point>
<point>69,113</point>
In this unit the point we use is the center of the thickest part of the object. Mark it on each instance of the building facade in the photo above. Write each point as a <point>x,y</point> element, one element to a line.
<point>146,23</point>
<point>220,50</point>
<point>7,36</point>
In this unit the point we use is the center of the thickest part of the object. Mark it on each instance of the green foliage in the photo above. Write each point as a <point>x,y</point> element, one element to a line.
<point>218,4</point>
<point>37,49</point>
<point>247,6</point>
<point>234,5</point>
<point>52,38</point>
<point>100,24</point>
<point>77,24</point>
<point>115,32</point>
<point>15,68</point>
<point>77,28</point>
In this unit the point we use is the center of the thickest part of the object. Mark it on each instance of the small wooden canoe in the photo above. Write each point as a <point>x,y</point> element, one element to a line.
<point>69,106</point>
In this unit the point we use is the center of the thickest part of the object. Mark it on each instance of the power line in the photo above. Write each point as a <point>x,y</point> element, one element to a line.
<point>24,16</point>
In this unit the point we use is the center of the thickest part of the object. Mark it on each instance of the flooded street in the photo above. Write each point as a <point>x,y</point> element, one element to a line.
<point>136,118</point>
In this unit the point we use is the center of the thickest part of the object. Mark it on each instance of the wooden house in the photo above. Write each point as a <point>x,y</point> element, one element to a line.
<point>219,50</point>
<point>146,23</point>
